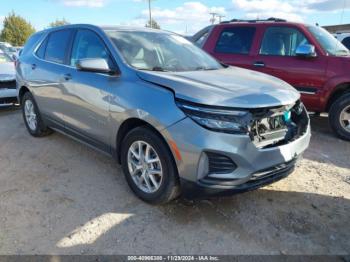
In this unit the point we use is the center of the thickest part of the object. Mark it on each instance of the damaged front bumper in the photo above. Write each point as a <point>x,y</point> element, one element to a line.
<point>217,163</point>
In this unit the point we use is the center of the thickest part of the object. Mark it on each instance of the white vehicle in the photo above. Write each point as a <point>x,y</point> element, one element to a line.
<point>8,93</point>
<point>344,38</point>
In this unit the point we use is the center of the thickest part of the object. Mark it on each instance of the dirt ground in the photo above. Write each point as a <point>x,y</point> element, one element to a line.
<point>60,197</point>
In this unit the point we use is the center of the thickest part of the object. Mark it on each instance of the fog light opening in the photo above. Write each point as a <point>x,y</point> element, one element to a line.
<point>203,166</point>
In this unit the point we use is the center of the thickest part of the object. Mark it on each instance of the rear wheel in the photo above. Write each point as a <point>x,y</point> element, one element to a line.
<point>148,166</point>
<point>339,117</point>
<point>32,117</point>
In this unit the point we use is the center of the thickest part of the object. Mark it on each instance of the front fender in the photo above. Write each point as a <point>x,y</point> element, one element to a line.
<point>150,103</point>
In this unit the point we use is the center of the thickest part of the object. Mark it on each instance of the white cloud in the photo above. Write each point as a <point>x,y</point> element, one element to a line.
<point>86,3</point>
<point>292,10</point>
<point>190,16</point>
<point>268,8</point>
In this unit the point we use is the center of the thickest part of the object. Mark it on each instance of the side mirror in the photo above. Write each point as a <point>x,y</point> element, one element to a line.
<point>97,65</point>
<point>306,51</point>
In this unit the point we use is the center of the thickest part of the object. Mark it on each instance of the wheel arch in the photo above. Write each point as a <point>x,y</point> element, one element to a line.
<point>132,123</point>
<point>341,89</point>
<point>21,92</point>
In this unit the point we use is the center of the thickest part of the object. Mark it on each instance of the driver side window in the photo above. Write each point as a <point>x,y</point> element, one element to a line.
<point>282,41</point>
<point>88,45</point>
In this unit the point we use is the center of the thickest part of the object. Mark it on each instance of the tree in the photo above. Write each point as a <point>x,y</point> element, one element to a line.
<point>58,22</point>
<point>16,30</point>
<point>153,24</point>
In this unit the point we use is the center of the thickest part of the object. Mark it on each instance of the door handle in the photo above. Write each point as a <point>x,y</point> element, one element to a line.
<point>33,66</point>
<point>67,77</point>
<point>259,64</point>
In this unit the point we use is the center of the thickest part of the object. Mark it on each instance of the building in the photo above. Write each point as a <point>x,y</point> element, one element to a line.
<point>337,28</point>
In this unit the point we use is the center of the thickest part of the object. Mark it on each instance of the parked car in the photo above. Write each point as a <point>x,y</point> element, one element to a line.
<point>168,112</point>
<point>305,56</point>
<point>8,48</point>
<point>8,94</point>
<point>344,38</point>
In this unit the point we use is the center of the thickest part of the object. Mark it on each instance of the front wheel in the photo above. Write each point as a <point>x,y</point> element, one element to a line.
<point>339,117</point>
<point>32,117</point>
<point>148,166</point>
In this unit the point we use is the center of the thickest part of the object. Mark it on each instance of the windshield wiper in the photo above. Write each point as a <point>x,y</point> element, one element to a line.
<point>156,68</point>
<point>204,68</point>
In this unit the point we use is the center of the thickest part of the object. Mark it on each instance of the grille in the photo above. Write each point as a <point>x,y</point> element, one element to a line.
<point>8,84</point>
<point>220,164</point>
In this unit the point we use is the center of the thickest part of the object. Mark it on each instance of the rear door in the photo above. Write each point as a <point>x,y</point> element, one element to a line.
<point>277,57</point>
<point>47,69</point>
<point>232,44</point>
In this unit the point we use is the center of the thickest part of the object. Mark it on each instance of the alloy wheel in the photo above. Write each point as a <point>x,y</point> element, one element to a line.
<point>30,114</point>
<point>145,166</point>
<point>345,118</point>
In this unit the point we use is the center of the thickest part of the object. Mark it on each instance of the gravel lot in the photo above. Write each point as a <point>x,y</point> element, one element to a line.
<point>60,197</point>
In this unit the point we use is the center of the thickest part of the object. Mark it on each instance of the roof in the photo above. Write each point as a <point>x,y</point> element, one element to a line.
<point>107,27</point>
<point>271,20</point>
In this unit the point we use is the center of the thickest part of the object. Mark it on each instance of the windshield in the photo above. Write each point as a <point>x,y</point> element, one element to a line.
<point>328,42</point>
<point>159,51</point>
<point>4,58</point>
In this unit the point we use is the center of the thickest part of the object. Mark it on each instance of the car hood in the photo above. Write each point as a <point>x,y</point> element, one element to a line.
<point>228,87</point>
<point>7,71</point>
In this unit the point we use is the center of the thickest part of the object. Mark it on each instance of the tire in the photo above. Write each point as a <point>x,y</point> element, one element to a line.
<point>168,182</point>
<point>39,129</point>
<point>336,117</point>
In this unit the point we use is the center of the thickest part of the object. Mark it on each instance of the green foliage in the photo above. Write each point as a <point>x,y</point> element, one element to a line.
<point>16,30</point>
<point>154,24</point>
<point>58,22</point>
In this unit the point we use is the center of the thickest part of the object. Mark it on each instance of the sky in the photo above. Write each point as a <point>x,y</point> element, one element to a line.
<point>185,17</point>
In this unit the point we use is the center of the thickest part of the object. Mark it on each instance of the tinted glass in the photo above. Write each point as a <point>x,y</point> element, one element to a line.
<point>87,44</point>
<point>57,46</point>
<point>282,41</point>
<point>160,51</point>
<point>41,50</point>
<point>235,40</point>
<point>346,42</point>
<point>31,43</point>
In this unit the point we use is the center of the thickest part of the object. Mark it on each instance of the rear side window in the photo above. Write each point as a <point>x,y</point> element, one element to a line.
<point>235,40</point>
<point>56,47</point>
<point>41,50</point>
<point>282,41</point>
<point>346,42</point>
<point>31,43</point>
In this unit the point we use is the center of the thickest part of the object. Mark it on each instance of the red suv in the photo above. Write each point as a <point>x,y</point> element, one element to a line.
<point>305,56</point>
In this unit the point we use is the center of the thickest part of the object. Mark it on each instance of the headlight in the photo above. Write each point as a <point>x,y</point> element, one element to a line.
<point>217,119</point>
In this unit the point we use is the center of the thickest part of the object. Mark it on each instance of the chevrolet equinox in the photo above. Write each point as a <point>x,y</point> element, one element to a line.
<point>174,118</point>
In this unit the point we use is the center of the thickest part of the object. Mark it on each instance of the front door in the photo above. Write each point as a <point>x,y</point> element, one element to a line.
<point>87,94</point>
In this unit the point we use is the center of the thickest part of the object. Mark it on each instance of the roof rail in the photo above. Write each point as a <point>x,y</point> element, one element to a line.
<point>271,19</point>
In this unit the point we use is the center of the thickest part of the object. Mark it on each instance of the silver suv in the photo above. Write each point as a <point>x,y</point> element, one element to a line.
<point>171,115</point>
